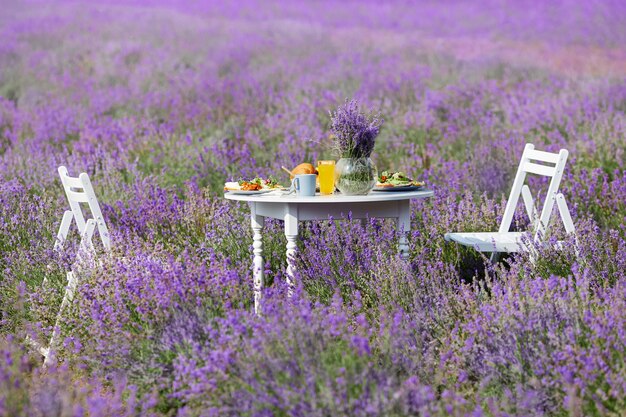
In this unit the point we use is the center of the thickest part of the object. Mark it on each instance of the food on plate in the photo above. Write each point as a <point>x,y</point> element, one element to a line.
<point>396,179</point>
<point>304,168</point>
<point>255,184</point>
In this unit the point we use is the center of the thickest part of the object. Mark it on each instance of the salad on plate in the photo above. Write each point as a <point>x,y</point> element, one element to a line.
<point>389,179</point>
<point>255,184</point>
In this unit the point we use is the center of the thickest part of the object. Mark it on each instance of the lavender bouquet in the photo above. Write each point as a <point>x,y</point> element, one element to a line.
<point>354,131</point>
<point>355,134</point>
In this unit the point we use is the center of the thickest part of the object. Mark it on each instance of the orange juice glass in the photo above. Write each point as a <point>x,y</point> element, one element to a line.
<point>326,171</point>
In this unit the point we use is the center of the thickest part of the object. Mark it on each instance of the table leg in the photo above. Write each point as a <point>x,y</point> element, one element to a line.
<point>404,227</point>
<point>257,223</point>
<point>291,233</point>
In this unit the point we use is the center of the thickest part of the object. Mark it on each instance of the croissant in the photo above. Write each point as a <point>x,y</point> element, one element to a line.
<point>304,168</point>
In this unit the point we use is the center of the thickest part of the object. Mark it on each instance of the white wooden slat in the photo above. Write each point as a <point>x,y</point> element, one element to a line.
<point>548,205</point>
<point>542,156</point>
<point>72,182</point>
<point>533,168</point>
<point>96,212</point>
<point>516,190</point>
<point>490,242</point>
<point>76,196</point>
<point>68,181</point>
<point>74,205</point>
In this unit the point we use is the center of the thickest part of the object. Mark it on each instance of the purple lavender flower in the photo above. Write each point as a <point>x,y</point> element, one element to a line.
<point>161,108</point>
<point>354,131</point>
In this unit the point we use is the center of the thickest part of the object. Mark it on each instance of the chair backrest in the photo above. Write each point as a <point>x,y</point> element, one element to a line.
<point>79,190</point>
<point>527,166</point>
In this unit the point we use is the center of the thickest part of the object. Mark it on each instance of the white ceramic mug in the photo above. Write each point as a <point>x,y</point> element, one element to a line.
<point>304,185</point>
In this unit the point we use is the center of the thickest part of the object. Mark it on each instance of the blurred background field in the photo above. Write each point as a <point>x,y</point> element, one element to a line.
<point>161,102</point>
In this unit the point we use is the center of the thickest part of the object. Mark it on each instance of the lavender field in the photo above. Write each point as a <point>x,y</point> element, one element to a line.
<point>162,101</point>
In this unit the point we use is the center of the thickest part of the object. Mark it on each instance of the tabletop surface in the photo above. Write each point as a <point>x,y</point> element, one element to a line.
<point>373,196</point>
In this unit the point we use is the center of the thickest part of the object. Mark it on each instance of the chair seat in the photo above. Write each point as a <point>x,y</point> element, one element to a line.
<point>490,241</point>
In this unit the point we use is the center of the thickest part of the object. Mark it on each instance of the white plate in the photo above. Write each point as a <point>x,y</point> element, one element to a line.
<point>399,188</point>
<point>243,192</point>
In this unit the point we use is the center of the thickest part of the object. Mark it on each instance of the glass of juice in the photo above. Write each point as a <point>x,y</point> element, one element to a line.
<point>326,171</point>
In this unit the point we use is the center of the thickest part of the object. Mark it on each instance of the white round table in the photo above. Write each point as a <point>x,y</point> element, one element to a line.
<point>292,209</point>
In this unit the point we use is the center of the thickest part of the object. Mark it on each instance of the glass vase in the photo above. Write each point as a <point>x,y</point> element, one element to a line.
<point>355,176</point>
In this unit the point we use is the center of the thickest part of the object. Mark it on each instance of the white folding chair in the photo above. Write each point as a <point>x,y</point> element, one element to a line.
<point>505,241</point>
<point>78,190</point>
<point>75,196</point>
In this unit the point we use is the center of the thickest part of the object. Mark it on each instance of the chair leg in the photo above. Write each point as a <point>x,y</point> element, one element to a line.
<point>529,203</point>
<point>56,332</point>
<point>86,244</point>
<point>36,346</point>
<point>566,217</point>
<point>63,229</point>
<point>495,257</point>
